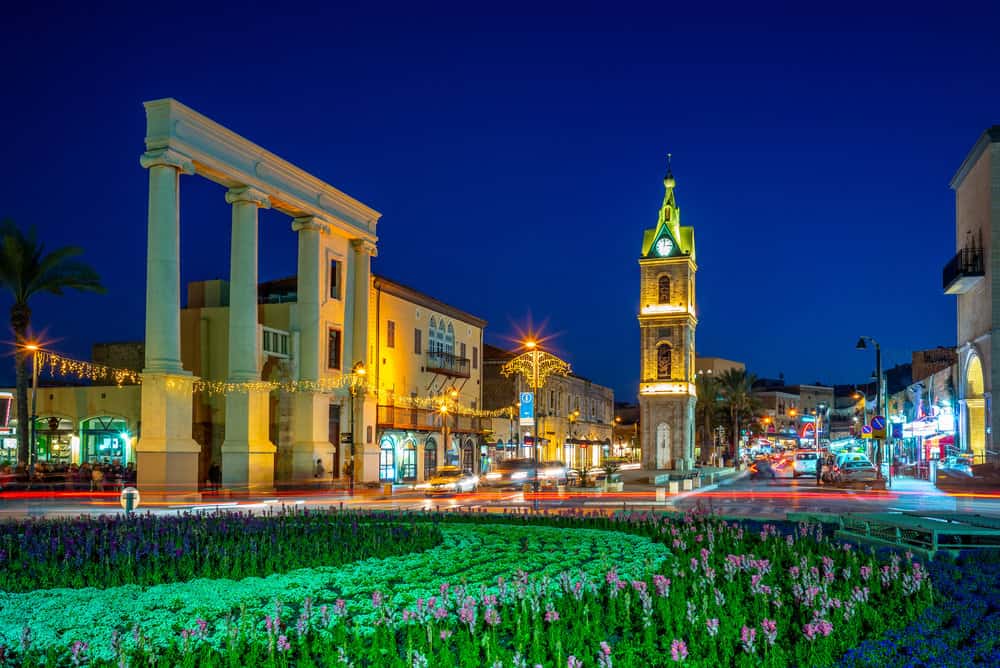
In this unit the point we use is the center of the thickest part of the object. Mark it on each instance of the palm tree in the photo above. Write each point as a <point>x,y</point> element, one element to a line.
<point>26,270</point>
<point>707,410</point>
<point>737,387</point>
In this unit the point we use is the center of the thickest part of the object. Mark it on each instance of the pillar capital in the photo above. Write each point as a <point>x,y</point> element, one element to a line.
<point>310,223</point>
<point>165,157</point>
<point>364,246</point>
<point>249,195</point>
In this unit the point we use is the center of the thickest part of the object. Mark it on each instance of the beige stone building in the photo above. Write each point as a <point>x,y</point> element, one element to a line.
<point>667,321</point>
<point>575,416</point>
<point>715,366</point>
<point>969,275</point>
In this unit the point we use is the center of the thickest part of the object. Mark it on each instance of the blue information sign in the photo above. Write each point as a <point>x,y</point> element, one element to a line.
<point>526,416</point>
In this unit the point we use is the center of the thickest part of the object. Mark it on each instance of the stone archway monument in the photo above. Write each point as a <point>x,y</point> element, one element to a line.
<point>336,242</point>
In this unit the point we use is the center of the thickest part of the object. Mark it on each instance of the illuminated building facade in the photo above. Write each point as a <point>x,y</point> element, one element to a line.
<point>969,275</point>
<point>667,322</point>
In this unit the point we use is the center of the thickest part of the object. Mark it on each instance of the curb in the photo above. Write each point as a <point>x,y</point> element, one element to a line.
<point>707,488</point>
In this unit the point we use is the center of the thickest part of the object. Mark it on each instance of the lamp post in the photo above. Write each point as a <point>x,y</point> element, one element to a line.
<point>614,423</point>
<point>573,417</point>
<point>32,446</point>
<point>858,394</point>
<point>443,409</point>
<point>879,389</point>
<point>357,383</point>
<point>819,421</point>
<point>535,365</point>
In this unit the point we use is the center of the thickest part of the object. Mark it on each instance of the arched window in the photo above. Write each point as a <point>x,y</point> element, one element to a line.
<point>449,341</point>
<point>430,458</point>
<point>664,290</point>
<point>468,456</point>
<point>663,362</point>
<point>387,460</point>
<point>408,461</point>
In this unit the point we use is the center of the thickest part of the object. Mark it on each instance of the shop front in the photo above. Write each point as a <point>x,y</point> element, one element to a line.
<point>106,440</point>
<point>54,440</point>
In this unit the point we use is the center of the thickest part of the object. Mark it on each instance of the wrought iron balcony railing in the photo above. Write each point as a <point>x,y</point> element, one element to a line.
<point>964,271</point>
<point>448,364</point>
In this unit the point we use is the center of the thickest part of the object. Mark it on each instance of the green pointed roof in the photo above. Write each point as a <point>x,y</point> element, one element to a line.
<point>668,224</point>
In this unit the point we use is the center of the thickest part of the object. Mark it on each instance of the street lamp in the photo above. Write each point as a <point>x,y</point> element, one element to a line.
<point>879,389</point>
<point>819,421</point>
<point>32,447</point>
<point>615,423</point>
<point>861,396</point>
<point>535,365</point>
<point>573,417</point>
<point>357,381</point>
<point>443,409</point>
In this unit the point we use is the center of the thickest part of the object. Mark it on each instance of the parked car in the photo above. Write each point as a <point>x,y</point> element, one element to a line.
<point>805,463</point>
<point>511,473</point>
<point>858,471</point>
<point>957,466</point>
<point>451,480</point>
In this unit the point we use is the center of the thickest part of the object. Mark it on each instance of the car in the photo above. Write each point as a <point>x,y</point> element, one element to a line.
<point>553,473</point>
<point>512,473</point>
<point>858,471</point>
<point>761,468</point>
<point>805,463</point>
<point>451,480</point>
<point>846,457</point>
<point>957,466</point>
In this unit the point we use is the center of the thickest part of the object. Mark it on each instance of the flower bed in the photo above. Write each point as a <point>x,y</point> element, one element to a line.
<point>149,550</point>
<point>961,629</point>
<point>475,555</point>
<point>642,590</point>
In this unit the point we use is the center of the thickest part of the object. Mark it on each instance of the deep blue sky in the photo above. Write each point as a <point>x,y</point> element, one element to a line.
<point>517,155</point>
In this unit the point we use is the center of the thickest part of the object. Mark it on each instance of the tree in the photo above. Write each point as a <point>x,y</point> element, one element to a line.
<point>26,270</point>
<point>707,410</point>
<point>737,386</point>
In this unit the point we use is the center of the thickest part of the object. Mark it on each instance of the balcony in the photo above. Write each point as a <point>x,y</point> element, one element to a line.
<point>274,342</point>
<point>447,364</point>
<point>964,271</point>
<point>426,419</point>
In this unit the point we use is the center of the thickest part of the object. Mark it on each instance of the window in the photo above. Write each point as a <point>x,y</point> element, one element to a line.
<point>417,347</point>
<point>430,458</point>
<point>462,352</point>
<point>664,332</point>
<point>390,334</point>
<point>334,279</point>
<point>333,349</point>
<point>664,290</point>
<point>475,357</point>
<point>663,362</point>
<point>408,461</point>
<point>449,340</point>
<point>387,461</point>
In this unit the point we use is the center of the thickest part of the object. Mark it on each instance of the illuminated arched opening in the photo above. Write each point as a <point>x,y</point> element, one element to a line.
<point>975,405</point>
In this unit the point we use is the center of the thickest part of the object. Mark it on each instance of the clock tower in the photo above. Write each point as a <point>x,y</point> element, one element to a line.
<point>667,322</point>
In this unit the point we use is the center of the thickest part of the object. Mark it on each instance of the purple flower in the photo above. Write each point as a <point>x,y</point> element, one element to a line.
<point>748,636</point>
<point>678,650</point>
<point>573,662</point>
<point>377,599</point>
<point>492,617</point>
<point>712,625</point>
<point>283,645</point>
<point>770,629</point>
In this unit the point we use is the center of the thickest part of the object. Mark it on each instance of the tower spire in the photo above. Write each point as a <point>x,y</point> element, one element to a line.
<point>668,180</point>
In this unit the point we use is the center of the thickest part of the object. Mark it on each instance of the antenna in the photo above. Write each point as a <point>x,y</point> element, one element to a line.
<point>670,171</point>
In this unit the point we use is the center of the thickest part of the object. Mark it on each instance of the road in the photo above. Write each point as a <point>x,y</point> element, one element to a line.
<point>736,497</point>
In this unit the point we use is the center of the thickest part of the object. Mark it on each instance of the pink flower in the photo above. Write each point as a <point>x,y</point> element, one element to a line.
<point>573,662</point>
<point>678,650</point>
<point>662,585</point>
<point>377,599</point>
<point>605,648</point>
<point>340,607</point>
<point>866,572</point>
<point>748,636</point>
<point>712,625</point>
<point>445,634</point>
<point>492,617</point>
<point>551,615</point>
<point>770,629</point>
<point>283,645</point>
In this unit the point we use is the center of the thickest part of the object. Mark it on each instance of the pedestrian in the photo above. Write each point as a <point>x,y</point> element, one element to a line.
<point>97,479</point>
<point>349,472</point>
<point>819,468</point>
<point>318,471</point>
<point>214,476</point>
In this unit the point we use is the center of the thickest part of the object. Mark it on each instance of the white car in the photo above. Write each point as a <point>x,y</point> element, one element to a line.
<point>858,471</point>
<point>451,480</point>
<point>805,463</point>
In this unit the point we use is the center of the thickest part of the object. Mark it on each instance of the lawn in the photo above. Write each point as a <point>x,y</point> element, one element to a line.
<point>455,590</point>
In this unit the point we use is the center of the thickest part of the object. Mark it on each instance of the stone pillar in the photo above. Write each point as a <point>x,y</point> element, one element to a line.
<point>166,455</point>
<point>247,452</point>
<point>311,412</point>
<point>357,320</point>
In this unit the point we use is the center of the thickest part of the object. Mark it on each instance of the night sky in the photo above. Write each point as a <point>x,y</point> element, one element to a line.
<point>518,156</point>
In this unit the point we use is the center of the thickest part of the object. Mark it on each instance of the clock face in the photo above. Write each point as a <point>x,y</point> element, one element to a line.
<point>664,246</point>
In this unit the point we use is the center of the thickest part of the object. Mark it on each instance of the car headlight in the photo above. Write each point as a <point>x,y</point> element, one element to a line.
<point>494,476</point>
<point>424,485</point>
<point>518,475</point>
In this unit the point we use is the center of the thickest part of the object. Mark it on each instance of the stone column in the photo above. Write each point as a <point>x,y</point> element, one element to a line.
<point>310,412</point>
<point>166,455</point>
<point>247,452</point>
<point>357,320</point>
